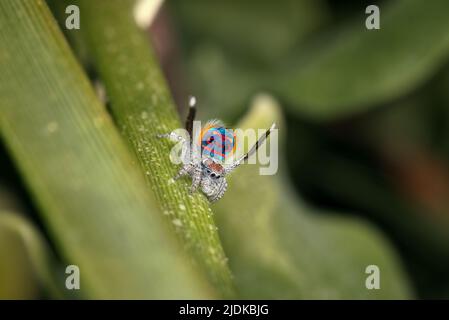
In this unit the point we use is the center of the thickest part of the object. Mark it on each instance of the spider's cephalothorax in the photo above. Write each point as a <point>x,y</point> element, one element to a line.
<point>206,171</point>
<point>213,183</point>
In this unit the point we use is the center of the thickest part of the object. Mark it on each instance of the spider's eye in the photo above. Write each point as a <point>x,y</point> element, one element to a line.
<point>217,176</point>
<point>213,175</point>
<point>208,171</point>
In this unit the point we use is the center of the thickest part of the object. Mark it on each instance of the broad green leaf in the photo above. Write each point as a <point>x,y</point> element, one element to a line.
<point>142,106</point>
<point>280,248</point>
<point>354,69</point>
<point>25,268</point>
<point>91,195</point>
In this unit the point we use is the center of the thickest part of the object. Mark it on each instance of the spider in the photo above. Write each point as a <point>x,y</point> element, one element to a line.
<point>206,171</point>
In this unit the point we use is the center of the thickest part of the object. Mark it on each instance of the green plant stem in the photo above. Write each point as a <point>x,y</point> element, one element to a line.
<point>79,170</point>
<point>142,106</point>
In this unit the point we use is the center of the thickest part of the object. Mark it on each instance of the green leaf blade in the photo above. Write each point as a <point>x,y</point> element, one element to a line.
<point>79,171</point>
<point>143,108</point>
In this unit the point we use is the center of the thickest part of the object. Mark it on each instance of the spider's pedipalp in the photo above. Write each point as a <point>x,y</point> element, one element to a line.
<point>253,150</point>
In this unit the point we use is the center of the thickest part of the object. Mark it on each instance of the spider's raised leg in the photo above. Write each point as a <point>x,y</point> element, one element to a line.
<point>173,136</point>
<point>232,166</point>
<point>191,116</point>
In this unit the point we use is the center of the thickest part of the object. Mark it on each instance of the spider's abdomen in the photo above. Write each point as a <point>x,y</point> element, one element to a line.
<point>217,142</point>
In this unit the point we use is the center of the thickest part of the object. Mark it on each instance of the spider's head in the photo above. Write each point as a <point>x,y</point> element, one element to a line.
<point>212,168</point>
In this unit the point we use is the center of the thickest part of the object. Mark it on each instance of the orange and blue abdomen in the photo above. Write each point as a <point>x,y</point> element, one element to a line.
<point>218,143</point>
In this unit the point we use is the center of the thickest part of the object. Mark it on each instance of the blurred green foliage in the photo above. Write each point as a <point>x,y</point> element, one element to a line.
<point>296,252</point>
<point>367,115</point>
<point>303,66</point>
<point>363,176</point>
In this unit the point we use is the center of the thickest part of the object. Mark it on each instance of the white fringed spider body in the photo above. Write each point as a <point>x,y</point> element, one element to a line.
<point>206,172</point>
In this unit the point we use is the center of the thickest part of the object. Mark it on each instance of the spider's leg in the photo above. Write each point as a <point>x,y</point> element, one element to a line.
<point>196,180</point>
<point>163,135</point>
<point>173,136</point>
<point>185,169</point>
<point>191,116</point>
<point>253,150</point>
<point>220,191</point>
<point>185,151</point>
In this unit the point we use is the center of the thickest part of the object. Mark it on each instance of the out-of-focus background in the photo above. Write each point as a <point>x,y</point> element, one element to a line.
<point>364,129</point>
<point>367,110</point>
